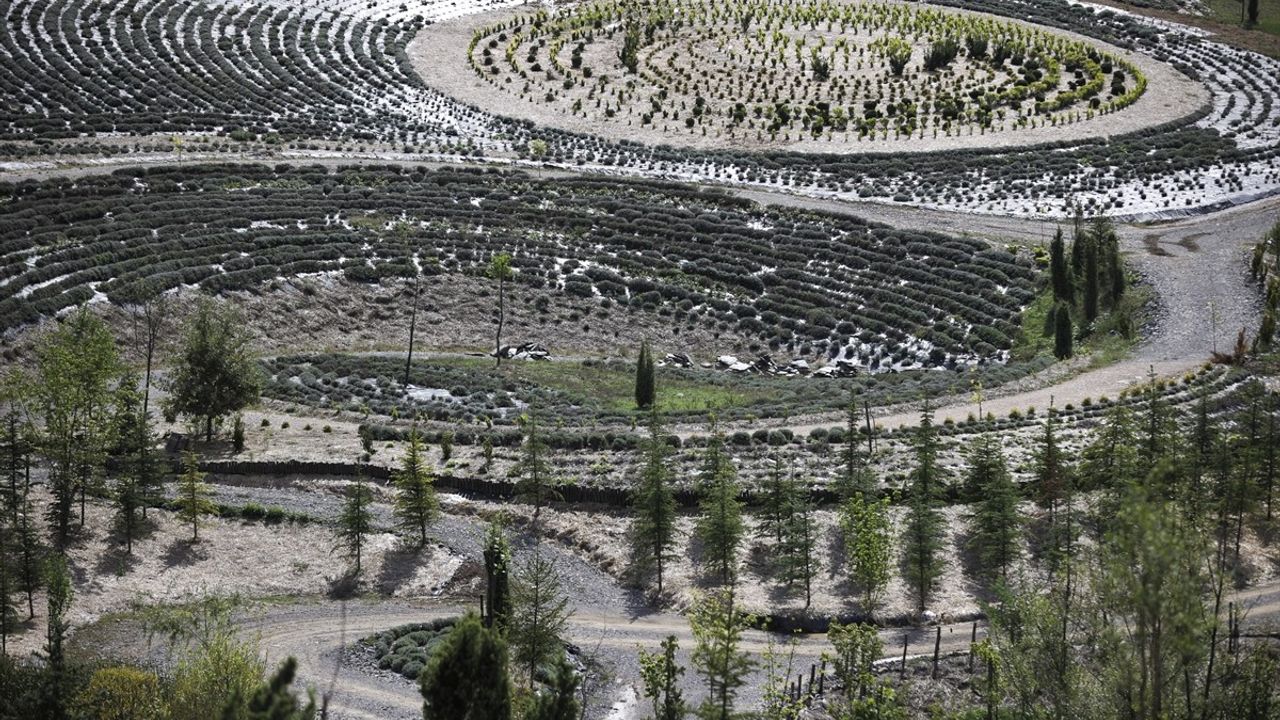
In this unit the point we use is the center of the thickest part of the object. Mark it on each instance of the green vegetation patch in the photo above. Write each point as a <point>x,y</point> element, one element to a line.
<point>405,649</point>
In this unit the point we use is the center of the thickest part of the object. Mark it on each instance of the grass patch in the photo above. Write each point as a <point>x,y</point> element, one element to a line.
<point>1228,13</point>
<point>612,385</point>
<point>1114,336</point>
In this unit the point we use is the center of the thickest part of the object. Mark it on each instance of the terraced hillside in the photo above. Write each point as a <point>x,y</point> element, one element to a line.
<point>797,281</point>
<point>341,77</point>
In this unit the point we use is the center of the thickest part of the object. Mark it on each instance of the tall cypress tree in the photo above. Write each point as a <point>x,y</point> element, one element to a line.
<point>1091,282</point>
<point>653,503</point>
<point>720,526</point>
<point>497,575</point>
<point>646,380</point>
<point>922,536</point>
<point>1058,271</point>
<point>1062,340</point>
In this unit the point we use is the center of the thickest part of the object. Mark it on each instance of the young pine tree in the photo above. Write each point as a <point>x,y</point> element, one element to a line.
<point>8,584</point>
<point>856,475</point>
<point>536,485</point>
<point>558,701</point>
<point>720,525</point>
<point>466,675</point>
<point>194,496</point>
<point>29,553</point>
<point>416,506</point>
<point>996,526</point>
<point>922,534</point>
<point>778,503</point>
<point>355,522</point>
<point>653,505</point>
<point>539,614</point>
<point>799,545</point>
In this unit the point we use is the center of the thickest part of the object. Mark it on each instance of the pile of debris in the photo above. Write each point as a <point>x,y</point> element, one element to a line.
<point>676,360</point>
<point>524,351</point>
<point>765,365</point>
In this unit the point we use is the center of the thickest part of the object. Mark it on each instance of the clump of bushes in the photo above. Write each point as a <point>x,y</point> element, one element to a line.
<point>405,649</point>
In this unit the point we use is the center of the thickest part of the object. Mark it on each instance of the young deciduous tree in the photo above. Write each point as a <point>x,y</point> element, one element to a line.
<point>75,365</point>
<point>274,700</point>
<point>1150,583</point>
<point>194,496</point>
<point>500,270</point>
<point>857,648</point>
<point>720,526</point>
<point>718,657</point>
<point>214,374</point>
<point>653,503</point>
<point>661,675</point>
<point>922,534</point>
<point>539,613</point>
<point>416,505</point>
<point>466,675</point>
<point>646,378</point>
<point>355,522</point>
<point>867,532</point>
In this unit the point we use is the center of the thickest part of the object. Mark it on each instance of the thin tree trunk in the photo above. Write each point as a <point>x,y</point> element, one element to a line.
<point>413,326</point>
<point>502,312</point>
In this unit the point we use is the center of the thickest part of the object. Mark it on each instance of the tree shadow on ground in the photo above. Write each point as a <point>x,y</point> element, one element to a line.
<point>115,561</point>
<point>399,564</point>
<point>183,552</point>
<point>345,586</point>
<point>976,582</point>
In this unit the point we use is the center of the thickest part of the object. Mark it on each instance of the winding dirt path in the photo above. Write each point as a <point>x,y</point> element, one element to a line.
<point>315,633</point>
